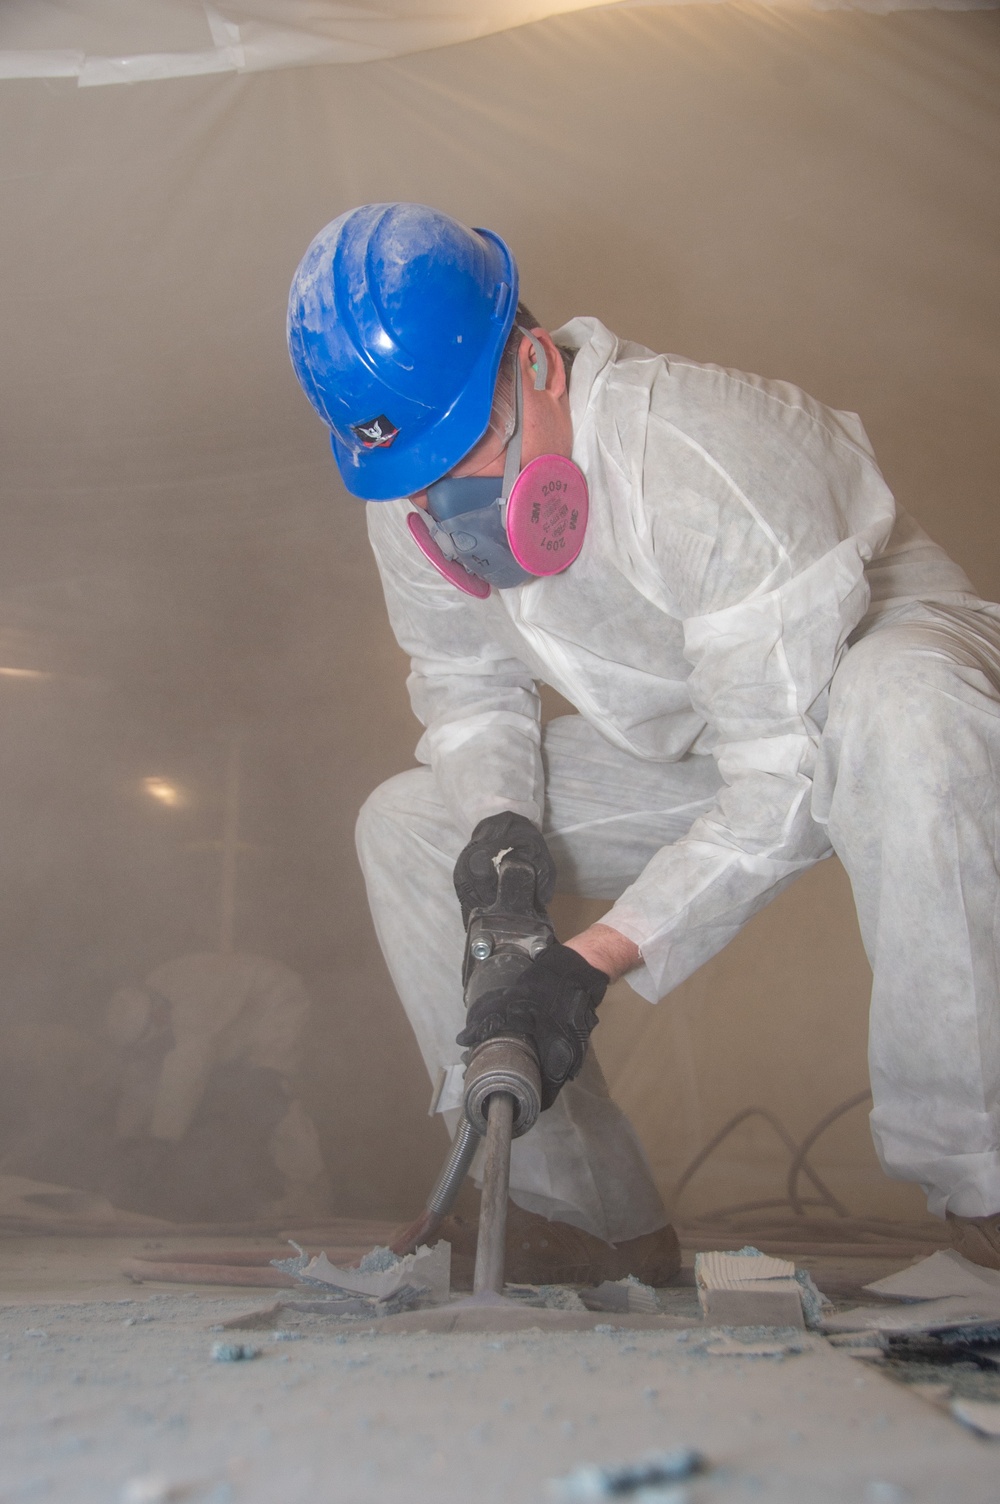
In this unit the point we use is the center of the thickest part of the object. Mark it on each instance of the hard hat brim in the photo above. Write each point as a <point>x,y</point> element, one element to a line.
<point>400,469</point>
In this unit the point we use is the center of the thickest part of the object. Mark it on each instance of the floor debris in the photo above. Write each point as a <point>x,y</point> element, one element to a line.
<point>628,1294</point>
<point>945,1273</point>
<point>381,1274</point>
<point>547,1297</point>
<point>937,1294</point>
<point>652,1478</point>
<point>748,1288</point>
<point>234,1352</point>
<point>918,1316</point>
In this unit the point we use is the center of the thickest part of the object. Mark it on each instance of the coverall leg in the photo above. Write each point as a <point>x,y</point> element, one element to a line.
<point>908,783</point>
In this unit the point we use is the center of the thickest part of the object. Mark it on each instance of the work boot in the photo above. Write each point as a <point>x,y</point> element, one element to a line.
<point>977,1238</point>
<point>540,1252</point>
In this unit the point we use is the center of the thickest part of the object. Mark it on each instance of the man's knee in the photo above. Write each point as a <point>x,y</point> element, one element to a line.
<point>405,820</point>
<point>386,817</point>
<point>896,689</point>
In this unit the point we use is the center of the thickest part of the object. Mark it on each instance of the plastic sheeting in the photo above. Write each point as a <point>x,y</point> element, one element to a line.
<point>181,38</point>
<point>238,38</point>
<point>807,195</point>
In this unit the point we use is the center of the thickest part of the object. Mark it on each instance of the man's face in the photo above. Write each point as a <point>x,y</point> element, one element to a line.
<point>545,422</point>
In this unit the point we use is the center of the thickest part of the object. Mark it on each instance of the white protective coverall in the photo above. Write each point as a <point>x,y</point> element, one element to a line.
<point>223,1009</point>
<point>769,660</point>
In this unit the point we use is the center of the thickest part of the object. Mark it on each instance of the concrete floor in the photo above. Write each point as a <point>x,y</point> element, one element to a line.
<point>108,1392</point>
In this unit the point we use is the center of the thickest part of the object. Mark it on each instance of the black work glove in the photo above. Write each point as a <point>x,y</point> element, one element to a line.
<point>553,1004</point>
<point>475,874</point>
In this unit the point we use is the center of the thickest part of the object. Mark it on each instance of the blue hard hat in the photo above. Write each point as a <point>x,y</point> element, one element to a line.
<point>397,320</point>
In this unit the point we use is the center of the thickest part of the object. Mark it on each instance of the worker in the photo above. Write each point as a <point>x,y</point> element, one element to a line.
<point>209,1125</point>
<point>769,661</point>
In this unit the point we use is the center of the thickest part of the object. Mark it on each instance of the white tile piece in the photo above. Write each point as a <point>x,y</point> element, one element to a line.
<point>921,1316</point>
<point>944,1273</point>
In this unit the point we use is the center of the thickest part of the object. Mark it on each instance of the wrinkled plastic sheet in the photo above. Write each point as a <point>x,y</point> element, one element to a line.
<point>272,34</point>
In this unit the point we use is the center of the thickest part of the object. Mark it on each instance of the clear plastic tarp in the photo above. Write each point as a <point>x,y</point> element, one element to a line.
<point>108,42</point>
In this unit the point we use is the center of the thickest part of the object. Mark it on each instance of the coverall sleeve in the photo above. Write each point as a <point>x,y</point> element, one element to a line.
<point>476,698</point>
<point>766,620</point>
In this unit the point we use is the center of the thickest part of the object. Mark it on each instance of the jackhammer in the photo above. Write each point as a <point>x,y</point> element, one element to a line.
<point>502,1079</point>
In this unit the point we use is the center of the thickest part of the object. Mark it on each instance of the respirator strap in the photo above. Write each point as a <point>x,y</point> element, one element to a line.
<point>512,456</point>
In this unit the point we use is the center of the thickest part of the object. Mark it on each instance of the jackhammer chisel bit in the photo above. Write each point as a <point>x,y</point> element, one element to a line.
<point>503,1097</point>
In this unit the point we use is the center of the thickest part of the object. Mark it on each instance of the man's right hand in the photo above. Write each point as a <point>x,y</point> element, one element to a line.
<point>554,1004</point>
<point>475,871</point>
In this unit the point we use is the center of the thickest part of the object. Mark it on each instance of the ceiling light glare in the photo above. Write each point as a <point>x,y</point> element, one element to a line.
<point>165,792</point>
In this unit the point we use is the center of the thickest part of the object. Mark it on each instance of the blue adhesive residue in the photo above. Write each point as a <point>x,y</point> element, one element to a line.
<point>233,1352</point>
<point>379,1260</point>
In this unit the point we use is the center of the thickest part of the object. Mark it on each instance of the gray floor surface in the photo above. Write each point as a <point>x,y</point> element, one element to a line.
<point>109,1392</point>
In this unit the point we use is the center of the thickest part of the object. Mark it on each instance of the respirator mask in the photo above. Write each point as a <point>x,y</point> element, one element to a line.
<point>484,531</point>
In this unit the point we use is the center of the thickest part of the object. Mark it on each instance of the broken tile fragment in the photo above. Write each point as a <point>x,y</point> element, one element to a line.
<point>747,1288</point>
<point>233,1352</point>
<point>628,1294</point>
<point>917,1316</point>
<point>945,1273</point>
<point>381,1275</point>
<point>655,1477</point>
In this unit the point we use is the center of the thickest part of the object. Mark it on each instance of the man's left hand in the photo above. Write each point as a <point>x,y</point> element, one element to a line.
<point>554,1005</point>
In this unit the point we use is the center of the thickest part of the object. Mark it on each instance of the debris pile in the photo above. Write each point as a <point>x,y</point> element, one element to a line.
<point>382,1284</point>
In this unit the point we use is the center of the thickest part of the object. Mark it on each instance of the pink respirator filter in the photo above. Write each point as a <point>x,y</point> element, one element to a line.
<point>547,513</point>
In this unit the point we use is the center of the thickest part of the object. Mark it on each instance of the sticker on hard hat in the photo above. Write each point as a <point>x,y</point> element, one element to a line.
<point>377,433</point>
<point>547,513</point>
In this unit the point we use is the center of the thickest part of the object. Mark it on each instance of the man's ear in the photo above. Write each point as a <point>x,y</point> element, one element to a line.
<point>555,376</point>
